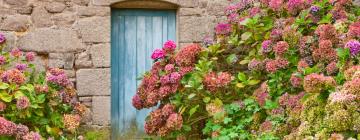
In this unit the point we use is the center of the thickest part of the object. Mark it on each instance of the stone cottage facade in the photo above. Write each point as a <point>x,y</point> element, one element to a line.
<point>75,35</point>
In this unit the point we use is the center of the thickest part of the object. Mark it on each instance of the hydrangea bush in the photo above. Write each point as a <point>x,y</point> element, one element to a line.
<point>277,69</point>
<point>35,105</point>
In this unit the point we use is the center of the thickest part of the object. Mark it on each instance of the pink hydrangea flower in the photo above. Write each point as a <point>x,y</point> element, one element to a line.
<point>169,46</point>
<point>169,68</point>
<point>32,136</point>
<point>332,68</point>
<point>175,77</point>
<point>22,103</point>
<point>2,38</point>
<point>256,65</point>
<point>276,5</point>
<point>266,126</point>
<point>294,5</point>
<point>354,29</point>
<point>13,76</point>
<point>295,81</point>
<point>341,97</point>
<point>281,48</point>
<point>314,83</point>
<point>30,56</point>
<point>15,52</point>
<point>158,54</point>
<point>213,81</point>
<point>21,67</point>
<point>266,46</point>
<point>223,29</point>
<point>21,130</point>
<point>187,55</point>
<point>137,103</point>
<point>2,60</point>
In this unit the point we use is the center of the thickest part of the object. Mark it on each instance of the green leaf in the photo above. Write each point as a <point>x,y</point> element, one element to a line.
<point>240,85</point>
<point>245,36</point>
<point>243,62</point>
<point>206,99</point>
<point>18,94</point>
<point>41,98</point>
<point>253,82</point>
<point>270,104</point>
<point>227,120</point>
<point>242,77</point>
<point>5,96</point>
<point>193,110</point>
<point>39,112</point>
<point>326,19</point>
<point>4,85</point>
<point>231,59</point>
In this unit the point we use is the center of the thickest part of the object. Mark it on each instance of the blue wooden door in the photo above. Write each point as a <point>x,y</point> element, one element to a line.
<point>135,34</point>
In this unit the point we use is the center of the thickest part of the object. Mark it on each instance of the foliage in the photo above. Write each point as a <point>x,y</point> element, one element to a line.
<point>35,105</point>
<point>278,70</point>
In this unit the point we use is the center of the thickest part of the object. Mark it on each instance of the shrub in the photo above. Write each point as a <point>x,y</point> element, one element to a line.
<point>277,70</point>
<point>35,105</point>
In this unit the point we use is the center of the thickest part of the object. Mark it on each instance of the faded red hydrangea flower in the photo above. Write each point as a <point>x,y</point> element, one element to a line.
<point>305,45</point>
<point>302,64</point>
<point>174,122</point>
<point>7,128</point>
<point>295,80</point>
<point>213,81</point>
<point>274,65</point>
<point>276,34</point>
<point>21,130</point>
<point>137,103</point>
<point>314,83</point>
<point>326,32</point>
<point>325,52</point>
<point>332,68</point>
<point>256,65</point>
<point>254,11</point>
<point>266,126</point>
<point>341,97</point>
<point>354,30</point>
<point>338,13</point>
<point>353,86</point>
<point>187,55</point>
<point>349,73</point>
<point>32,136</point>
<point>262,94</point>
<point>291,102</point>
<point>169,68</point>
<point>293,6</point>
<point>13,76</point>
<point>281,48</point>
<point>266,46</point>
<point>58,76</point>
<point>71,121</point>
<point>2,60</point>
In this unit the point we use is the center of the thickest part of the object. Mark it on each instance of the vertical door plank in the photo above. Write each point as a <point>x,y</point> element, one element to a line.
<point>172,25</point>
<point>121,64</point>
<point>157,32</point>
<point>165,29</point>
<point>141,63</point>
<point>130,69</point>
<point>115,75</point>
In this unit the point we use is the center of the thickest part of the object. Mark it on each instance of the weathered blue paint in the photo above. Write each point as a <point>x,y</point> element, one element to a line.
<point>135,34</point>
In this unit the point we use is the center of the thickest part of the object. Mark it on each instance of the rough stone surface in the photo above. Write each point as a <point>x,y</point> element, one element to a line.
<point>100,55</point>
<point>190,11</point>
<point>193,29</point>
<point>55,7</point>
<point>19,23</point>
<point>101,110</point>
<point>93,11</point>
<point>16,2</point>
<point>24,9</point>
<point>41,18</point>
<point>94,29</point>
<point>51,40</point>
<point>65,19</point>
<point>83,60</point>
<point>100,2</point>
<point>61,60</point>
<point>81,2</point>
<point>92,82</point>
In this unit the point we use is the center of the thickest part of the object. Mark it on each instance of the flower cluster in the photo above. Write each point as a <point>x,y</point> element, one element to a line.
<point>354,47</point>
<point>156,86</point>
<point>71,121</point>
<point>214,81</point>
<point>163,120</point>
<point>32,96</point>
<point>315,83</point>
<point>223,29</point>
<point>325,53</point>
<point>274,65</point>
<point>280,48</point>
<point>58,76</point>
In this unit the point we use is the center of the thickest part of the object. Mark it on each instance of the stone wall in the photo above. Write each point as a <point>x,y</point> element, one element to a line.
<point>75,35</point>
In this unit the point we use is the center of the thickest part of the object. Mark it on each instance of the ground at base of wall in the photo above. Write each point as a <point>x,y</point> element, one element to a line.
<point>90,132</point>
